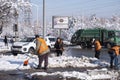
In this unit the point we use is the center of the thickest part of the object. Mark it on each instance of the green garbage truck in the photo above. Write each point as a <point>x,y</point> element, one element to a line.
<point>107,38</point>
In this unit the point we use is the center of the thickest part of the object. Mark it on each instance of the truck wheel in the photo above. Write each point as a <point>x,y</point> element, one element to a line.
<point>32,51</point>
<point>108,45</point>
<point>83,45</point>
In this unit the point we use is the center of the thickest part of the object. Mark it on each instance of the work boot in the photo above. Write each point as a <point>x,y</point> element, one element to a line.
<point>45,68</point>
<point>38,67</point>
<point>111,66</point>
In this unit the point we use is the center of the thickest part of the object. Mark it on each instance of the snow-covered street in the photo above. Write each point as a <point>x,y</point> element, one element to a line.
<point>94,68</point>
<point>78,24</point>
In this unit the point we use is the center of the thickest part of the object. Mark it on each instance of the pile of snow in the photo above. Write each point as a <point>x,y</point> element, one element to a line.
<point>10,62</point>
<point>70,61</point>
<point>111,75</point>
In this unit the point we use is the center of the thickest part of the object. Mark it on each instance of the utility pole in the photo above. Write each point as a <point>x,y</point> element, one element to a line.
<point>43,18</point>
<point>16,23</point>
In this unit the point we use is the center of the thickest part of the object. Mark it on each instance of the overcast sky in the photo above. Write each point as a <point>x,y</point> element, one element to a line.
<point>102,8</point>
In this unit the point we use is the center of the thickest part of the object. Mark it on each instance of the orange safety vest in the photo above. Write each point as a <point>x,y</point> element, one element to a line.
<point>97,45</point>
<point>43,47</point>
<point>116,49</point>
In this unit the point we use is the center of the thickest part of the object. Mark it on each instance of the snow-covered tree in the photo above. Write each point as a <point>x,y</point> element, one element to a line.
<point>5,14</point>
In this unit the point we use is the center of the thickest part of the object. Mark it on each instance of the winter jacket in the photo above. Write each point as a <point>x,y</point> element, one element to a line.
<point>58,46</point>
<point>41,46</point>
<point>97,45</point>
<point>116,49</point>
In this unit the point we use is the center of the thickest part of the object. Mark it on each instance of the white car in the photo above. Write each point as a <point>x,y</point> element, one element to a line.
<point>28,45</point>
<point>24,45</point>
<point>50,40</point>
<point>66,43</point>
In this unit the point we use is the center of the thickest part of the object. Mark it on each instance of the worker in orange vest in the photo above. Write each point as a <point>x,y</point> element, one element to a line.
<point>97,48</point>
<point>42,50</point>
<point>114,52</point>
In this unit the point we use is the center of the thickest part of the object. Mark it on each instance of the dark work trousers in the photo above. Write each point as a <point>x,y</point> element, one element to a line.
<point>113,60</point>
<point>59,52</point>
<point>42,58</point>
<point>97,53</point>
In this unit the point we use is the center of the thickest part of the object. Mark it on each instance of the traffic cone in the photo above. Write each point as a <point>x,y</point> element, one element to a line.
<point>26,62</point>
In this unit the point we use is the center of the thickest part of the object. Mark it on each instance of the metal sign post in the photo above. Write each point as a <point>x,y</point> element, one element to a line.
<point>60,31</point>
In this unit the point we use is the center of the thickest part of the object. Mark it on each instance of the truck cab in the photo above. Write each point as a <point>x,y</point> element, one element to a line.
<point>113,39</point>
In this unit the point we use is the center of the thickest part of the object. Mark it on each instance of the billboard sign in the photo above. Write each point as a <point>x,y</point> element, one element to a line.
<point>60,22</point>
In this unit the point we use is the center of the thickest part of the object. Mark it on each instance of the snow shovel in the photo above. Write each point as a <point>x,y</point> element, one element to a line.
<point>26,62</point>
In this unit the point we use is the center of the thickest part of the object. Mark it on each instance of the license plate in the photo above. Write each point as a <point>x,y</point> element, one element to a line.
<point>16,49</point>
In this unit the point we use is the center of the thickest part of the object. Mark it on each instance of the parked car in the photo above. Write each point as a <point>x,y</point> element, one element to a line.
<point>50,40</point>
<point>25,45</point>
<point>28,45</point>
<point>67,43</point>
